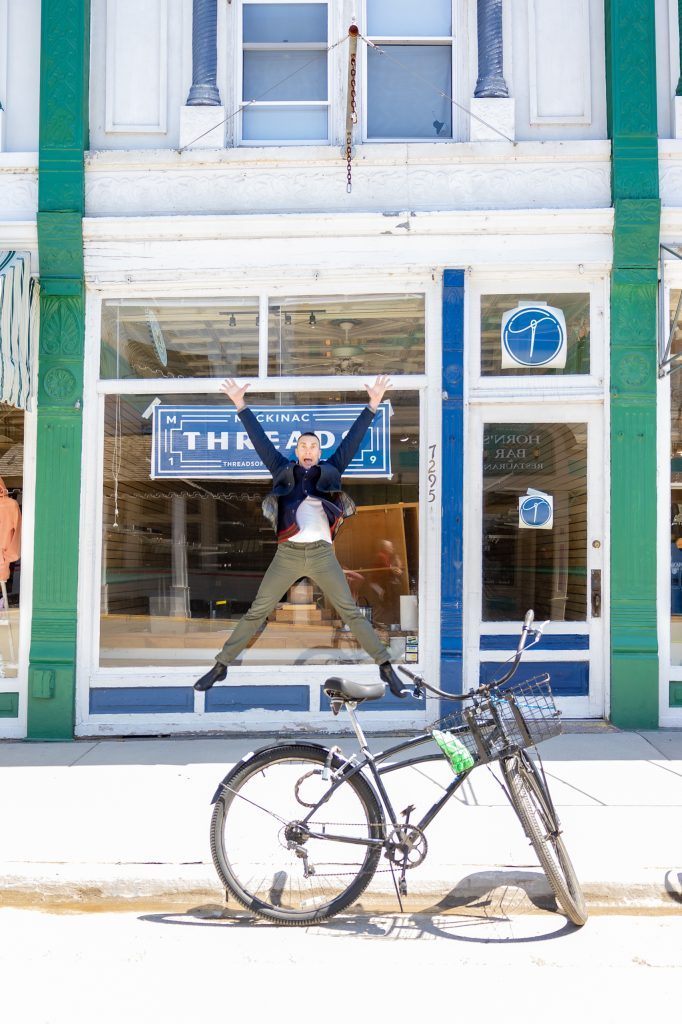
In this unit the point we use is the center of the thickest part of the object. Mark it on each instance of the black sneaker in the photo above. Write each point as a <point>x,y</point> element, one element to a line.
<point>214,675</point>
<point>394,684</point>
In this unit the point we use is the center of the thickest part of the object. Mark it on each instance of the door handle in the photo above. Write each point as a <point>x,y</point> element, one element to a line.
<point>595,592</point>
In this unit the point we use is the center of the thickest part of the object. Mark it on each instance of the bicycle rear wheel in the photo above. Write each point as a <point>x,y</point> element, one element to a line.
<point>274,867</point>
<point>529,799</point>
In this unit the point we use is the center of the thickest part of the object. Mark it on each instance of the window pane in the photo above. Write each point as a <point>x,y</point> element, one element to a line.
<point>403,98</point>
<point>285,23</point>
<point>11,501</point>
<point>576,310</point>
<point>191,338</point>
<point>347,334</point>
<point>676,490</point>
<point>406,18</point>
<point>543,568</point>
<point>289,75</point>
<point>184,559</point>
<point>303,124</point>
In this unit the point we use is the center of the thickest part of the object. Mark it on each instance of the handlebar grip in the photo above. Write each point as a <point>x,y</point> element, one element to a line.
<point>528,621</point>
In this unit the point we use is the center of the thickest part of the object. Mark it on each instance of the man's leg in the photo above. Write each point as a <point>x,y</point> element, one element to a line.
<point>285,569</point>
<point>324,569</point>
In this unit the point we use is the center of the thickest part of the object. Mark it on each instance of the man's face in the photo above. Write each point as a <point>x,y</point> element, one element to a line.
<point>308,451</point>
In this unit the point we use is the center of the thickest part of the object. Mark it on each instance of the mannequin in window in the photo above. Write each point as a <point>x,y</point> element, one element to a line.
<point>10,532</point>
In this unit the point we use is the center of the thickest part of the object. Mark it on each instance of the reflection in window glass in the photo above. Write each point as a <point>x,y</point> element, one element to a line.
<point>576,309</point>
<point>405,18</point>
<point>285,63</point>
<point>676,489</point>
<point>347,335</point>
<point>11,497</point>
<point>179,338</point>
<point>541,568</point>
<point>182,559</point>
<point>408,90</point>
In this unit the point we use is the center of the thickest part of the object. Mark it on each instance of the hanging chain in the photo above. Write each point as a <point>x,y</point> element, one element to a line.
<point>351,109</point>
<point>353,121</point>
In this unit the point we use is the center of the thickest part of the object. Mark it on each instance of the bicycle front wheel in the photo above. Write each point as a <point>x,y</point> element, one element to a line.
<point>261,843</point>
<point>534,809</point>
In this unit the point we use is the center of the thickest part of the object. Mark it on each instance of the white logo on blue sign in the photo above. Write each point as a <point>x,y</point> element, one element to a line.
<point>533,335</point>
<point>536,512</point>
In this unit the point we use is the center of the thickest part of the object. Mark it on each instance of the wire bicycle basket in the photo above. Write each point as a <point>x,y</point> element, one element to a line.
<point>521,714</point>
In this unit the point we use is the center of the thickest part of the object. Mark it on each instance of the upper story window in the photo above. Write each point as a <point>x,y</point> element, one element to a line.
<point>285,79</point>
<point>409,72</point>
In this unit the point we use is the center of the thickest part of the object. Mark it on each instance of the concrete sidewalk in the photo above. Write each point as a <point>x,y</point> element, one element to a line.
<point>104,823</point>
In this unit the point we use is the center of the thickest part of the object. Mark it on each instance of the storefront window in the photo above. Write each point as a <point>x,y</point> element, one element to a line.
<point>179,338</point>
<point>676,493</point>
<point>182,559</point>
<point>344,335</point>
<point>535,521</point>
<point>536,341</point>
<point>11,490</point>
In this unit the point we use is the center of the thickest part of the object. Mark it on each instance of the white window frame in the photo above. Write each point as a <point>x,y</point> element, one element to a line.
<point>417,41</point>
<point>427,385</point>
<point>578,385</point>
<point>669,717</point>
<point>284,105</point>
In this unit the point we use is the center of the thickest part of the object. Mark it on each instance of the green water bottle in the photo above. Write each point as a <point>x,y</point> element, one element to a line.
<point>456,752</point>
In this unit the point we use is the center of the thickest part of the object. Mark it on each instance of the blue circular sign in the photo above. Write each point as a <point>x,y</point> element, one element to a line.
<point>535,511</point>
<point>533,336</point>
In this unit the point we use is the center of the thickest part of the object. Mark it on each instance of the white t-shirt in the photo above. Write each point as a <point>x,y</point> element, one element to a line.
<point>312,522</point>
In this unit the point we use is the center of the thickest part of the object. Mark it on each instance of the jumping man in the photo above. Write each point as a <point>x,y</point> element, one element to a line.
<point>306,508</point>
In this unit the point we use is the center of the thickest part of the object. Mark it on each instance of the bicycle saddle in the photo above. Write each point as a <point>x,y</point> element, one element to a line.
<point>351,689</point>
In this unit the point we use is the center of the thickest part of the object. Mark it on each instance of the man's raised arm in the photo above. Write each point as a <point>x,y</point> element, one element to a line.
<point>272,459</point>
<point>351,442</point>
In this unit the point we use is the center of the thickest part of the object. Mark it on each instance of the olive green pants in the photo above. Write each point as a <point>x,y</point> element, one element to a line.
<point>318,562</point>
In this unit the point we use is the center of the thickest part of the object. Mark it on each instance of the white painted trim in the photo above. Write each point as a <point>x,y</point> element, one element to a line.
<point>579,9</point>
<point>111,125</point>
<point>21,235</point>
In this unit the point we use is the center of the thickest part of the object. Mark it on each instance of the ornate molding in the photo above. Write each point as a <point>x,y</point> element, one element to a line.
<point>446,186</point>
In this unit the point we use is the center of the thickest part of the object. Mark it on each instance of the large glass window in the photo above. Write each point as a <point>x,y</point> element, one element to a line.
<point>11,493</point>
<point>535,521</point>
<point>532,338</point>
<point>284,76</point>
<point>343,335</point>
<point>676,490</point>
<point>179,338</point>
<point>409,71</point>
<point>182,559</point>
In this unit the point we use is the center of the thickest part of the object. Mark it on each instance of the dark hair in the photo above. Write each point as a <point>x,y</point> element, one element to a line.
<point>309,433</point>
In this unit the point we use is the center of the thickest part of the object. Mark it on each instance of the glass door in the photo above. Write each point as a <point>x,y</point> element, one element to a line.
<point>535,540</point>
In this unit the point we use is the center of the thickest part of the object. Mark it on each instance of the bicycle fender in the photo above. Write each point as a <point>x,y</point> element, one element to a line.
<point>317,747</point>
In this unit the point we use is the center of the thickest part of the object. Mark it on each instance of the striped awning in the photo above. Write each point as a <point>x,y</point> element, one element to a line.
<point>19,312</point>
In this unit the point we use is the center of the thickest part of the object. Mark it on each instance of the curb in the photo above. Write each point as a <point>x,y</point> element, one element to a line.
<point>481,892</point>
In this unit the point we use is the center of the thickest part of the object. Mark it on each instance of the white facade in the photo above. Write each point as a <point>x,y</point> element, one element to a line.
<point>528,214</point>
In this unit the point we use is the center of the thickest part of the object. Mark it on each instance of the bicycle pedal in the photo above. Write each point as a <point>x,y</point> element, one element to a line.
<point>402,887</point>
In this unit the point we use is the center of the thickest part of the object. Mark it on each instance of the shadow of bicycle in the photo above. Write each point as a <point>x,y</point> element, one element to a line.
<point>472,911</point>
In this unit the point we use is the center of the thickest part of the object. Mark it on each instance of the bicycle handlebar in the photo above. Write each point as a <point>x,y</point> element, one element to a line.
<point>523,645</point>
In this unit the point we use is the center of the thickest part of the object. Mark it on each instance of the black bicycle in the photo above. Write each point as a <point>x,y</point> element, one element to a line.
<point>298,829</point>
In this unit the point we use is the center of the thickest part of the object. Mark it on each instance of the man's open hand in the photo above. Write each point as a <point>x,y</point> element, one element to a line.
<point>377,389</point>
<point>230,388</point>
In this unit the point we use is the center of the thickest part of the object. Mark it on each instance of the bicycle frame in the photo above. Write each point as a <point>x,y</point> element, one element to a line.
<point>372,761</point>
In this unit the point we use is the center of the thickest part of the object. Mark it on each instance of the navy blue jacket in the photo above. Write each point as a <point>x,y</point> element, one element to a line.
<point>292,484</point>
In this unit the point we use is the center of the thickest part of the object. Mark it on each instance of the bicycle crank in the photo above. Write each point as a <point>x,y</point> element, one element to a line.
<point>406,846</point>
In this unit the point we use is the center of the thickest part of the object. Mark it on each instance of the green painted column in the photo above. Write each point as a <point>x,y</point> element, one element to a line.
<point>631,103</point>
<point>64,74</point>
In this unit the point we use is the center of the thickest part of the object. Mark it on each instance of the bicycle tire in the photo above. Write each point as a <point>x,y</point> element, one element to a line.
<point>250,849</point>
<point>528,797</point>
